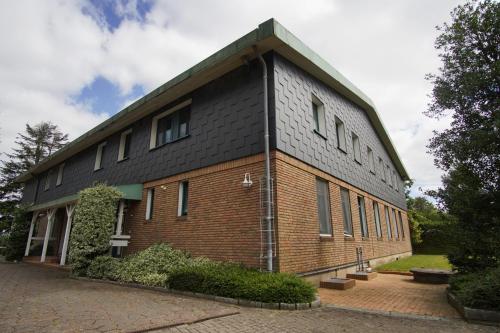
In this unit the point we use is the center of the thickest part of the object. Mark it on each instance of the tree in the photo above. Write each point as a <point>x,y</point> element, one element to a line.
<point>37,143</point>
<point>18,236</point>
<point>467,88</point>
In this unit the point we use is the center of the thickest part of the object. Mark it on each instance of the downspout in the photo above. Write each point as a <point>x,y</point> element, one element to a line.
<point>268,218</point>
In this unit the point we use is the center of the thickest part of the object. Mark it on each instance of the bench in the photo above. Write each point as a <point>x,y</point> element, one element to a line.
<point>434,276</point>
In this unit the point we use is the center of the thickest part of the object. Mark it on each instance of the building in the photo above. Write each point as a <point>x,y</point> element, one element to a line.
<point>190,160</point>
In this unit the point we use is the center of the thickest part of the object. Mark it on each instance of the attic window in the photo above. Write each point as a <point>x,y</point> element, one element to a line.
<point>318,110</point>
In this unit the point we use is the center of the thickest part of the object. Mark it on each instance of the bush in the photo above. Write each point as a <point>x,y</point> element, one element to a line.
<point>104,267</point>
<point>480,290</point>
<point>18,236</point>
<point>92,226</point>
<point>231,280</point>
<point>153,265</point>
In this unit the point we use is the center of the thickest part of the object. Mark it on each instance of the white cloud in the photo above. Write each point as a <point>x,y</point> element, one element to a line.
<point>51,50</point>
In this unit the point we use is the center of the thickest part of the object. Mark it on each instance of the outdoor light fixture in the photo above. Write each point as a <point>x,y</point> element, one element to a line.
<point>247,182</point>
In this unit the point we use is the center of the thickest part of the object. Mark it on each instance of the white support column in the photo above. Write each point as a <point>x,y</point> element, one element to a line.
<point>69,212</point>
<point>32,226</point>
<point>119,223</point>
<point>50,221</point>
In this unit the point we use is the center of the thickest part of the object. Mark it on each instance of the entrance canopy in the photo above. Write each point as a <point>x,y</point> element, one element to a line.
<point>130,192</point>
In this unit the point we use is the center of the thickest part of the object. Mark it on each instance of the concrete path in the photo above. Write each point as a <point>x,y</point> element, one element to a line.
<point>39,299</point>
<point>393,293</point>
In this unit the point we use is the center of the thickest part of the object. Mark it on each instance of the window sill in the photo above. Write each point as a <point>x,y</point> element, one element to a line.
<point>359,162</point>
<point>123,159</point>
<point>323,136</point>
<point>95,170</point>
<point>348,238</point>
<point>372,172</point>
<point>182,218</point>
<point>380,238</point>
<point>57,185</point>
<point>365,238</point>
<point>326,238</point>
<point>170,142</point>
<point>342,150</point>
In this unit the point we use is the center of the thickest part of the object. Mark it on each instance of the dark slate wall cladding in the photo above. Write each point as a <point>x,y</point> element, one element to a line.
<point>295,136</point>
<point>226,124</point>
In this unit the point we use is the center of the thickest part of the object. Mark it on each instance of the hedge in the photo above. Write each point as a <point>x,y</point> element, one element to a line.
<point>479,290</point>
<point>161,265</point>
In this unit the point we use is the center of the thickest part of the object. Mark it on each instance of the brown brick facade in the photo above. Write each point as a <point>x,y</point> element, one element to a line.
<point>223,217</point>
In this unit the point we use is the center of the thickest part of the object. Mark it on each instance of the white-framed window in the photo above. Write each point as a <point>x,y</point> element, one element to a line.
<point>318,111</point>
<point>401,224</point>
<point>395,180</point>
<point>182,207</point>
<point>124,149</point>
<point>99,155</point>
<point>376,214</point>
<point>396,227</point>
<point>388,222</point>
<point>382,168</point>
<point>388,175</point>
<point>46,186</point>
<point>371,160</point>
<point>362,216</point>
<point>340,132</point>
<point>346,211</point>
<point>323,198</point>
<point>356,147</point>
<point>150,203</point>
<point>170,125</point>
<point>60,172</point>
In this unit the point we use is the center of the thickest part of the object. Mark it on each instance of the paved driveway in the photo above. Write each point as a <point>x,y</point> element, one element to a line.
<point>38,299</point>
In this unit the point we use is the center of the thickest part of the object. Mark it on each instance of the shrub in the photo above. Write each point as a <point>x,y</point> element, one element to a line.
<point>18,236</point>
<point>104,267</point>
<point>92,226</point>
<point>153,265</point>
<point>231,280</point>
<point>480,290</point>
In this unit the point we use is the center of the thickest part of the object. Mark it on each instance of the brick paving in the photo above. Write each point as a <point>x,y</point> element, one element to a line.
<point>393,293</point>
<point>39,299</point>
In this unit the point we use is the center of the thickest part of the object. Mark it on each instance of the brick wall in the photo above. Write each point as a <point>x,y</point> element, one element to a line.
<point>223,217</point>
<point>301,249</point>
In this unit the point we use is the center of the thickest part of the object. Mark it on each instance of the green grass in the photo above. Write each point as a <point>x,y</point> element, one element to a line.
<point>419,261</point>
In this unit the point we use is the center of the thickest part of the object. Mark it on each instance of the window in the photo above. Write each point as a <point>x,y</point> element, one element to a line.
<point>323,196</point>
<point>382,169</point>
<point>340,132</point>
<point>182,209</point>
<point>318,110</point>
<point>149,203</point>
<point>346,211</point>
<point>60,172</point>
<point>401,225</point>
<point>388,223</point>
<point>388,175</point>
<point>170,125</point>
<point>46,187</point>
<point>396,229</point>
<point>124,150</point>
<point>99,155</point>
<point>395,180</point>
<point>371,160</point>
<point>362,216</point>
<point>356,148</point>
<point>376,214</point>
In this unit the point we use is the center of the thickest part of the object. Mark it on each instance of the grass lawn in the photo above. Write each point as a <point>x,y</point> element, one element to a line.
<point>418,260</point>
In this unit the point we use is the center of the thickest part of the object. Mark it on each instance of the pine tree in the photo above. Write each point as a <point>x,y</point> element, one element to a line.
<point>32,146</point>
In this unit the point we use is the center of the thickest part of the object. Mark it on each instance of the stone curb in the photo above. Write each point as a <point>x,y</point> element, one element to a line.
<point>477,316</point>
<point>396,273</point>
<point>234,301</point>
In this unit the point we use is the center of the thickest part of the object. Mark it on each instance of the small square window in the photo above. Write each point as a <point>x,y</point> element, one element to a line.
<point>99,156</point>
<point>340,132</point>
<point>124,150</point>
<point>170,125</point>
<point>356,147</point>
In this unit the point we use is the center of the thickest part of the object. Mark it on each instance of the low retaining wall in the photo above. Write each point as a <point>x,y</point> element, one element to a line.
<point>235,301</point>
<point>474,315</point>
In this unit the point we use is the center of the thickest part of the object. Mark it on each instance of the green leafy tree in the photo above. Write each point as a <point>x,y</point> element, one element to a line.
<point>18,236</point>
<point>467,89</point>
<point>93,226</point>
<point>35,144</point>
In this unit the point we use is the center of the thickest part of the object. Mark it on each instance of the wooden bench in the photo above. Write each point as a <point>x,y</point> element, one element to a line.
<point>434,276</point>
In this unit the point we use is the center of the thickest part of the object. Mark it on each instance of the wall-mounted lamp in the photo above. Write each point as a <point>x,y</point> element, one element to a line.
<point>247,182</point>
<point>163,187</point>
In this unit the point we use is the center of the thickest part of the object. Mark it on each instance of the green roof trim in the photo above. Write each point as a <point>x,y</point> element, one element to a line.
<point>270,35</point>
<point>130,192</point>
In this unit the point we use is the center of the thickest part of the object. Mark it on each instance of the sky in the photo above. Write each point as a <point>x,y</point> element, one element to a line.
<point>76,63</point>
